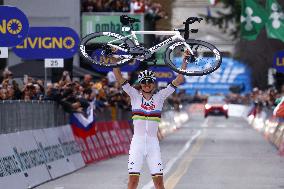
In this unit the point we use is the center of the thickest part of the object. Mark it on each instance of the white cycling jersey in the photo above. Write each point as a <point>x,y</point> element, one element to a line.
<point>146,115</point>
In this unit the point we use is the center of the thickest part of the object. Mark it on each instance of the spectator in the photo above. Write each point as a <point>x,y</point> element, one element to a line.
<point>89,6</point>
<point>87,81</point>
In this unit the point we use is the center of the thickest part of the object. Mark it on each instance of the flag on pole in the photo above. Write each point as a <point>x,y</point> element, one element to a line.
<point>275,23</point>
<point>253,19</point>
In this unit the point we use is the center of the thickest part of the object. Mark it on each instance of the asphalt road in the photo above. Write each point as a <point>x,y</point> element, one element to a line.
<point>212,153</point>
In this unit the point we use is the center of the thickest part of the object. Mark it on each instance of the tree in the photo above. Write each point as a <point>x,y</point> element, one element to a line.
<point>258,54</point>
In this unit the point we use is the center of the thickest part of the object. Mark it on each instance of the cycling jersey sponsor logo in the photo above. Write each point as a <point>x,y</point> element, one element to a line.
<point>14,26</point>
<point>48,42</point>
<point>148,105</point>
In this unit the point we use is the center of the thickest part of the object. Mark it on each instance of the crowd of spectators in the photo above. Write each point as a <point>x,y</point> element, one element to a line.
<point>151,9</point>
<point>74,96</point>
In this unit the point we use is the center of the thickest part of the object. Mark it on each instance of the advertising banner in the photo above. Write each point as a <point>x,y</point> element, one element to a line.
<point>278,61</point>
<point>58,163</point>
<point>72,148</point>
<point>30,157</point>
<point>48,42</point>
<point>10,169</point>
<point>129,67</point>
<point>114,133</point>
<point>86,134</point>
<point>104,131</point>
<point>14,26</point>
<point>163,73</point>
<point>231,74</point>
<point>108,23</point>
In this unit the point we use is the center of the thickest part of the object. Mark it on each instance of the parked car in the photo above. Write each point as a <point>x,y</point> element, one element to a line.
<point>216,105</point>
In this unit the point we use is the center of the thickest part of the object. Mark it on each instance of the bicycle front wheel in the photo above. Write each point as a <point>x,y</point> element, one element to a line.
<point>205,59</point>
<point>106,49</point>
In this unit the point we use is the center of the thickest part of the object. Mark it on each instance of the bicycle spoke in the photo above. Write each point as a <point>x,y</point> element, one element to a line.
<point>106,50</point>
<point>201,61</point>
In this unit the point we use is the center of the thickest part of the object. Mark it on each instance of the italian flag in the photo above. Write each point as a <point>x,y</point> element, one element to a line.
<point>213,2</point>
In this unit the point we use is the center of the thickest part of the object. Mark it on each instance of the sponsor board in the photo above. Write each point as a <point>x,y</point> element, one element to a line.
<point>48,42</point>
<point>231,73</point>
<point>278,61</point>
<point>14,26</point>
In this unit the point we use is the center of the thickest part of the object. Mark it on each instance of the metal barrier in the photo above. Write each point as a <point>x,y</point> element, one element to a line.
<point>26,115</point>
<point>18,115</point>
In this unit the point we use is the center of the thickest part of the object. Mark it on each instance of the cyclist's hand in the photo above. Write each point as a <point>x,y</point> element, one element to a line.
<point>186,55</point>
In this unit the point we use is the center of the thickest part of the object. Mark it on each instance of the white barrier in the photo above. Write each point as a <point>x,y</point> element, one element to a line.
<point>11,175</point>
<point>30,157</point>
<point>72,149</point>
<point>57,163</point>
<point>238,110</point>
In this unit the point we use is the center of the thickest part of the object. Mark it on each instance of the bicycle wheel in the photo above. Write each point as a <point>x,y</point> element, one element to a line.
<point>206,57</point>
<point>106,49</point>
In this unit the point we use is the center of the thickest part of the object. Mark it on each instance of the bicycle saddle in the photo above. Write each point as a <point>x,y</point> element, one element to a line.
<point>126,20</point>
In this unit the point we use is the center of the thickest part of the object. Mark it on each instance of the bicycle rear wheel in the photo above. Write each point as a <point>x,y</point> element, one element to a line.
<point>106,49</point>
<point>206,57</point>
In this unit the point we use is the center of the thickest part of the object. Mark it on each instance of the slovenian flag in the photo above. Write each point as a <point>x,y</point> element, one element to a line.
<point>213,2</point>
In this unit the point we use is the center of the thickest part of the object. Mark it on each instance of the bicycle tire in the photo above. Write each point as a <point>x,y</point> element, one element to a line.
<point>191,42</point>
<point>86,57</point>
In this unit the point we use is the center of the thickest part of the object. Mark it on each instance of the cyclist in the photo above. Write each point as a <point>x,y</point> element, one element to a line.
<point>146,111</point>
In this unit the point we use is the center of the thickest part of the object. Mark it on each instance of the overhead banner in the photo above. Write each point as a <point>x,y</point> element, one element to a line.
<point>14,26</point>
<point>48,42</point>
<point>231,74</point>
<point>129,67</point>
<point>278,61</point>
<point>163,73</point>
<point>108,23</point>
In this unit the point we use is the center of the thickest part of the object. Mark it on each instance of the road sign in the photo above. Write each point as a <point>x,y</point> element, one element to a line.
<point>53,63</point>
<point>3,52</point>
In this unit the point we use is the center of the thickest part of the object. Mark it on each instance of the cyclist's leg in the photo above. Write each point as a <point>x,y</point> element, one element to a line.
<point>158,181</point>
<point>155,163</point>
<point>135,161</point>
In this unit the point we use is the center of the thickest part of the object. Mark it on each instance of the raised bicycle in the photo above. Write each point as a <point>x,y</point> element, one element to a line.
<point>113,49</point>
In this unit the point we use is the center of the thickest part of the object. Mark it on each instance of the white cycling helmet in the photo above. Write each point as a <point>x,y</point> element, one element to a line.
<point>146,75</point>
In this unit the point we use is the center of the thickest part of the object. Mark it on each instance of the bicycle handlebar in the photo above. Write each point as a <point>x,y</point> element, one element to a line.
<point>126,20</point>
<point>191,20</point>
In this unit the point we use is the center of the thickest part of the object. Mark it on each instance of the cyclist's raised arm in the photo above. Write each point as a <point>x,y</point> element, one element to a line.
<point>131,91</point>
<point>180,78</point>
<point>118,76</point>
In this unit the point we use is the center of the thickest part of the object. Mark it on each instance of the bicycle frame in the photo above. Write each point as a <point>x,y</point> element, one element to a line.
<point>175,37</point>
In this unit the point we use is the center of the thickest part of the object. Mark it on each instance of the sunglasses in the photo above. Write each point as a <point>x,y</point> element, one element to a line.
<point>147,81</point>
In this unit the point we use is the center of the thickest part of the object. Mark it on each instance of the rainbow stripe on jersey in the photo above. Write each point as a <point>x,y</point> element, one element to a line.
<point>143,115</point>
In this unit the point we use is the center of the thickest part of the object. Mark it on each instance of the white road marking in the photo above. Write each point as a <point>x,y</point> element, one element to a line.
<point>205,123</point>
<point>221,125</point>
<point>169,165</point>
<point>59,187</point>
